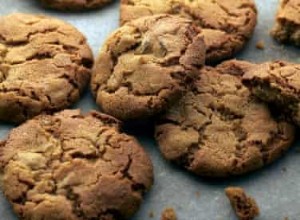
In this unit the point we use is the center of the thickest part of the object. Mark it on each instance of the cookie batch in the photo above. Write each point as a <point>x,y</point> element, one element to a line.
<point>171,61</point>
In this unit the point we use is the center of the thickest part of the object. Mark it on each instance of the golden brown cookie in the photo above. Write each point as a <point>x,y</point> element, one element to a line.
<point>45,64</point>
<point>277,83</point>
<point>74,5</point>
<point>287,27</point>
<point>70,166</point>
<point>143,66</point>
<point>227,25</point>
<point>244,206</point>
<point>218,129</point>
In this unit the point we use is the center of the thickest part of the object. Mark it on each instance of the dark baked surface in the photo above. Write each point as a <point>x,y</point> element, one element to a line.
<point>244,206</point>
<point>74,5</point>
<point>71,166</point>
<point>277,83</point>
<point>287,27</point>
<point>144,65</point>
<point>226,25</point>
<point>44,65</point>
<point>218,129</point>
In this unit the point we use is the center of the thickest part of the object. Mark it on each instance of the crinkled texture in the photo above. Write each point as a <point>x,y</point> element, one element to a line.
<point>71,166</point>
<point>218,129</point>
<point>244,206</point>
<point>287,27</point>
<point>277,83</point>
<point>44,65</point>
<point>144,65</point>
<point>226,25</point>
<point>74,5</point>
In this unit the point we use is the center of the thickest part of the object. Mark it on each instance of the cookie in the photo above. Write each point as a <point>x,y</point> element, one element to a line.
<point>45,64</point>
<point>287,27</point>
<point>74,5</point>
<point>244,206</point>
<point>277,83</point>
<point>75,167</point>
<point>226,25</point>
<point>218,129</point>
<point>144,65</point>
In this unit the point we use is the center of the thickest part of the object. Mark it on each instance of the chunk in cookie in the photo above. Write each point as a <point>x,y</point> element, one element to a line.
<point>277,83</point>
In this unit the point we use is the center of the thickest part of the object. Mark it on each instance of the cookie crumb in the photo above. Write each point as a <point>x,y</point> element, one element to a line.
<point>260,45</point>
<point>197,194</point>
<point>168,214</point>
<point>151,214</point>
<point>244,206</point>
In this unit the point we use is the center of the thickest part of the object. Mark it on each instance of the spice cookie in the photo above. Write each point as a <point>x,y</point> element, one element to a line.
<point>218,129</point>
<point>73,166</point>
<point>44,65</point>
<point>144,65</point>
<point>277,83</point>
<point>74,5</point>
<point>287,27</point>
<point>226,25</point>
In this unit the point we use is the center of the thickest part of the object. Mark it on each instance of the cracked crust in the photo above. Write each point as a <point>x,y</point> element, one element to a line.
<point>44,65</point>
<point>244,206</point>
<point>143,66</point>
<point>277,83</point>
<point>74,5</point>
<point>73,166</point>
<point>287,27</point>
<point>218,129</point>
<point>226,25</point>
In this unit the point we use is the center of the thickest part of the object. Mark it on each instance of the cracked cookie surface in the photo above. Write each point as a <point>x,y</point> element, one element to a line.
<point>226,25</point>
<point>218,129</point>
<point>277,83</point>
<point>287,27</point>
<point>75,5</point>
<point>144,65</point>
<point>73,166</point>
<point>44,65</point>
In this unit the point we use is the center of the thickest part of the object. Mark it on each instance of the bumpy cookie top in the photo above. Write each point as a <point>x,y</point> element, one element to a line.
<point>73,166</point>
<point>219,129</point>
<point>74,4</point>
<point>44,64</point>
<point>143,66</point>
<point>277,82</point>
<point>226,24</point>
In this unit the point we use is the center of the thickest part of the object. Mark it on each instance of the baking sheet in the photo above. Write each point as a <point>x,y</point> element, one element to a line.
<point>276,187</point>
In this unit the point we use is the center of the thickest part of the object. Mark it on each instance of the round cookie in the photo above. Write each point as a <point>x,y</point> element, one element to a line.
<point>75,167</point>
<point>44,65</point>
<point>74,5</point>
<point>226,25</point>
<point>144,65</point>
<point>218,129</point>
